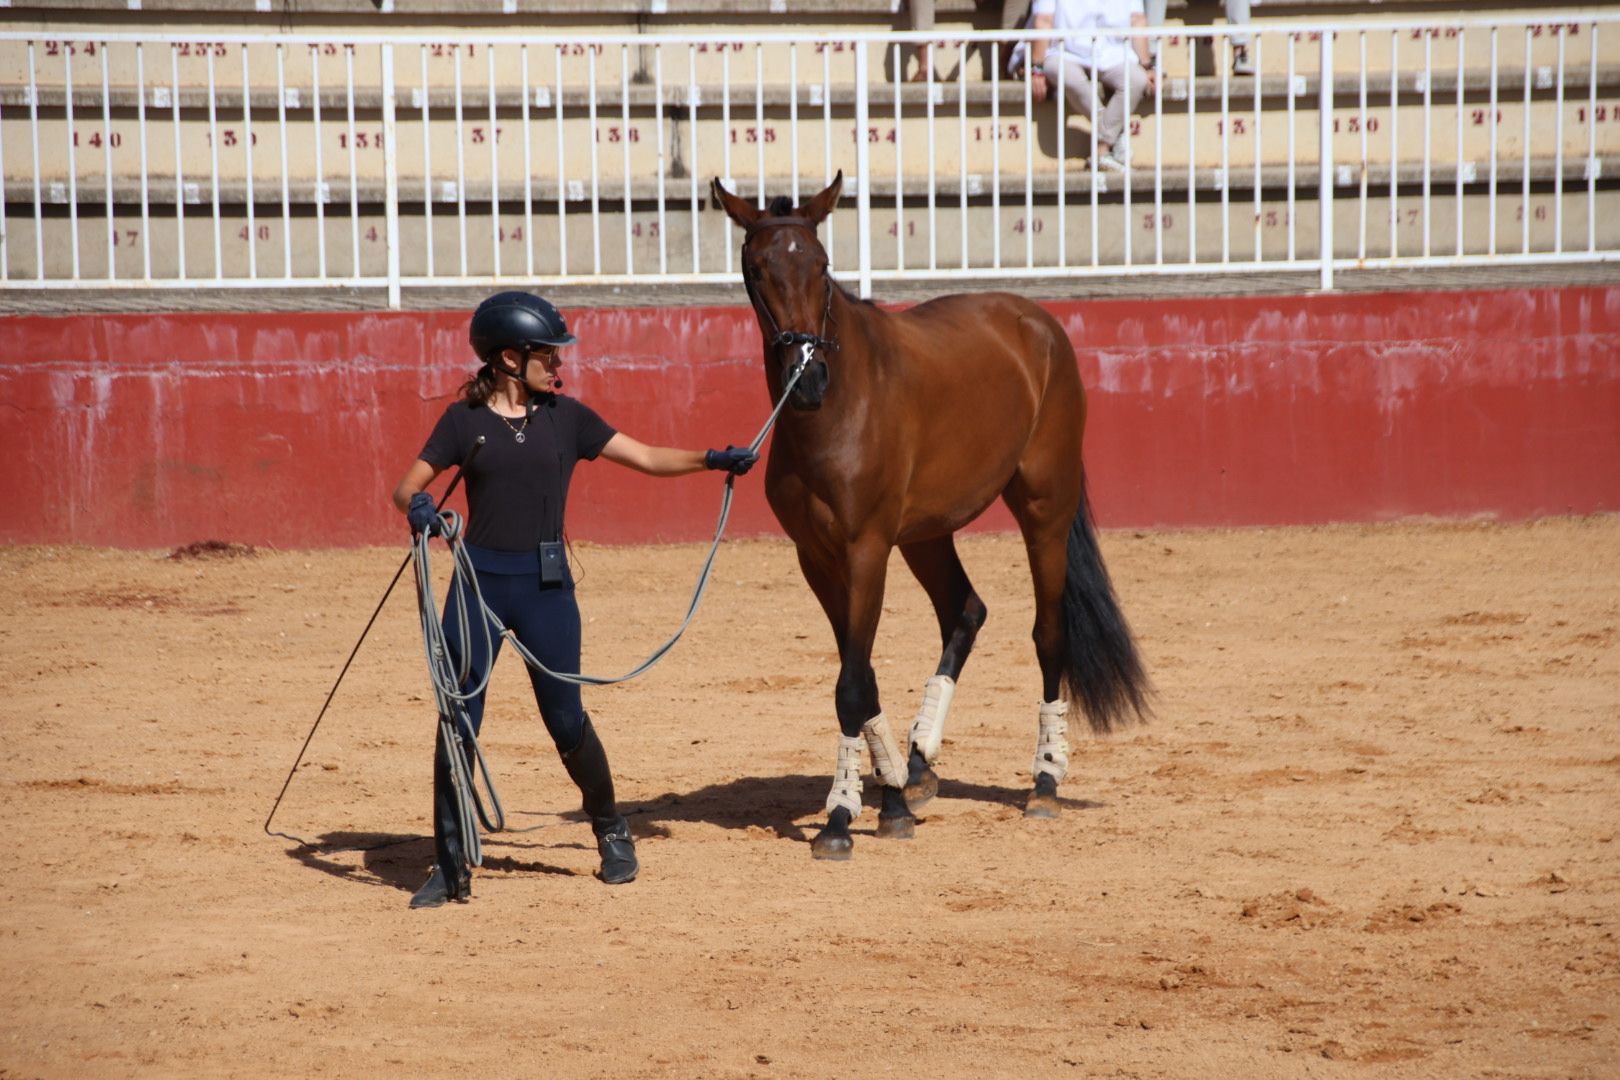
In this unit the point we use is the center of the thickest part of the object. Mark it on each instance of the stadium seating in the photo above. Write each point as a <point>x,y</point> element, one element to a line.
<point>607,140</point>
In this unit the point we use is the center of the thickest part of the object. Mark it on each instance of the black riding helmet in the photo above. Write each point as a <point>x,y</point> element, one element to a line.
<point>515,320</point>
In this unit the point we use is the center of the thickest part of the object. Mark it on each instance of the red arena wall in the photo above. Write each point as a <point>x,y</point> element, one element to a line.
<point>153,430</point>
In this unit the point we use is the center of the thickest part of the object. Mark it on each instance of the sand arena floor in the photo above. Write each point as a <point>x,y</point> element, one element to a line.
<point>1372,830</point>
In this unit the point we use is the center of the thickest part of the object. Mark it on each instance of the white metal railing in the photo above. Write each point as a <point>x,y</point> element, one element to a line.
<point>395,161</point>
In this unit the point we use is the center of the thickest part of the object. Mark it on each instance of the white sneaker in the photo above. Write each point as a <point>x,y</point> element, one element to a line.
<point>1111,162</point>
<point>1241,65</point>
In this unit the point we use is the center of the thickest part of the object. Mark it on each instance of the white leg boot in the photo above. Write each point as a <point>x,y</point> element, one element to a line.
<point>1051,762</point>
<point>894,819</point>
<point>846,785</point>
<point>888,764</point>
<point>928,729</point>
<point>833,842</point>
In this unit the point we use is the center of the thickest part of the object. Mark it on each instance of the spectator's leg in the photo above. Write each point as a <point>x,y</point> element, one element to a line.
<point>922,18</point>
<point>1111,124</point>
<point>1237,14</point>
<point>1014,16</point>
<point>1155,17</point>
<point>1076,84</point>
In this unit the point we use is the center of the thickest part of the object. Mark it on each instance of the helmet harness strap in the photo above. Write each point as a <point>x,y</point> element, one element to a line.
<point>521,375</point>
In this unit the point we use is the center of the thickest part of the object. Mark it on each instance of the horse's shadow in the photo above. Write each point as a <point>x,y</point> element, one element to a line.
<point>400,860</point>
<point>777,802</point>
<point>1005,796</point>
<point>768,802</point>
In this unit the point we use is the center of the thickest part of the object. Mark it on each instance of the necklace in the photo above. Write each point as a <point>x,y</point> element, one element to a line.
<point>517,432</point>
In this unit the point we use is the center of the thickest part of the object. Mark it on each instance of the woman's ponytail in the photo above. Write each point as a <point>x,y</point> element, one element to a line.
<point>478,389</point>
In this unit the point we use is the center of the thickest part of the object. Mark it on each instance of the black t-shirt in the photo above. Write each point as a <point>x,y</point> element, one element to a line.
<point>516,491</point>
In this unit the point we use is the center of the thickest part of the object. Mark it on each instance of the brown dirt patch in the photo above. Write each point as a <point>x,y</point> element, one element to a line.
<point>1373,824</point>
<point>213,549</point>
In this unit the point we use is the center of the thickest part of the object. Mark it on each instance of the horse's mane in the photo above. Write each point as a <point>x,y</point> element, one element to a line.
<point>851,297</point>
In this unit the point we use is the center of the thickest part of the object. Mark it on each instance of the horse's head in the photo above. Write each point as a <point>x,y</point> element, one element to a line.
<point>785,270</point>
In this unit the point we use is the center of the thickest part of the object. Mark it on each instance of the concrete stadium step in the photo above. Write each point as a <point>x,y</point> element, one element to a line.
<point>1378,135</point>
<point>227,146</point>
<point>1017,235</point>
<point>678,192</point>
<point>543,95</point>
<point>342,151</point>
<point>880,12</point>
<point>861,11</point>
<point>1532,52</point>
<point>1378,52</point>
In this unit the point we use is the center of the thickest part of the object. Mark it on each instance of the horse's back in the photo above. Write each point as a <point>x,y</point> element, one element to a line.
<point>988,391</point>
<point>1003,331</point>
<point>994,318</point>
<point>976,305</point>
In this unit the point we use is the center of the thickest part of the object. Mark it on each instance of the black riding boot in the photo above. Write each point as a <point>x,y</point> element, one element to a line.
<point>587,765</point>
<point>450,879</point>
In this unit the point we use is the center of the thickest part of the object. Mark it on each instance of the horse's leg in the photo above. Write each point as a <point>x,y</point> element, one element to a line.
<point>960,613</point>
<point>859,713</point>
<point>1046,540</point>
<point>844,802</point>
<point>830,592</point>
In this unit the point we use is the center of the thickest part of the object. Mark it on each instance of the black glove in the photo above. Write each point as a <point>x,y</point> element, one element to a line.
<point>736,460</point>
<point>424,516</point>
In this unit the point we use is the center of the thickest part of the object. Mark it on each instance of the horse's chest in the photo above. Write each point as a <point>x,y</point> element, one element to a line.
<point>803,513</point>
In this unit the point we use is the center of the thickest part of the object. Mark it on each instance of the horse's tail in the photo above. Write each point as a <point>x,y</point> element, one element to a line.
<point>1101,668</point>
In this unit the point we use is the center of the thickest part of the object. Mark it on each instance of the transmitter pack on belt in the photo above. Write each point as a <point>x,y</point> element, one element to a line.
<point>553,562</point>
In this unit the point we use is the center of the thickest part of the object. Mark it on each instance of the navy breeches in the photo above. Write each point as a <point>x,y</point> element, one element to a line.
<point>546,620</point>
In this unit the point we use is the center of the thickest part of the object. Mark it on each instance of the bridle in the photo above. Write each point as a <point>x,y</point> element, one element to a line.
<point>807,342</point>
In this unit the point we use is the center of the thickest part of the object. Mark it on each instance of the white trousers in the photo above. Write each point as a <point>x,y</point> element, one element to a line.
<point>1237,14</point>
<point>1117,104</point>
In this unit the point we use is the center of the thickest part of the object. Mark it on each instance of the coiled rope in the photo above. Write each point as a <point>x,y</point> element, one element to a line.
<point>456,736</point>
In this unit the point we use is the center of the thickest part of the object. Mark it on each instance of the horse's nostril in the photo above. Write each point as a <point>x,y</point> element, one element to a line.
<point>811,387</point>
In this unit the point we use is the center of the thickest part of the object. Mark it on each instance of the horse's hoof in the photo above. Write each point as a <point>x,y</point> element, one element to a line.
<point>921,791</point>
<point>835,847</point>
<point>1042,806</point>
<point>896,828</point>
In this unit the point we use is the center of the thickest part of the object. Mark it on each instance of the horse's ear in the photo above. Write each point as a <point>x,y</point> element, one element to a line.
<point>816,210</point>
<point>738,209</point>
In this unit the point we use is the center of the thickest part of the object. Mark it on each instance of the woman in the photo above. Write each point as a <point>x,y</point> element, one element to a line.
<point>517,488</point>
<point>1123,66</point>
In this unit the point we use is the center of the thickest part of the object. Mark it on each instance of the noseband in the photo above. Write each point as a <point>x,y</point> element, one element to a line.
<point>800,338</point>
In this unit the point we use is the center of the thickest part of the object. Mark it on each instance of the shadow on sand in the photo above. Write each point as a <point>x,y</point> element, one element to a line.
<point>401,860</point>
<point>776,802</point>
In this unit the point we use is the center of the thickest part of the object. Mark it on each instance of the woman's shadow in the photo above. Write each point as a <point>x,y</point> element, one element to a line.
<point>401,860</point>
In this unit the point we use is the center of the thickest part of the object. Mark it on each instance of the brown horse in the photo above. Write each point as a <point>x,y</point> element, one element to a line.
<point>904,427</point>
